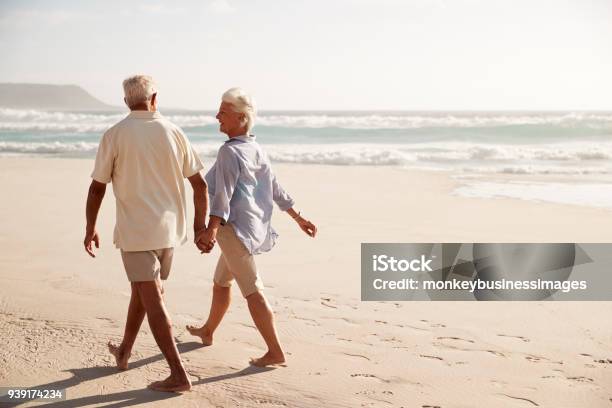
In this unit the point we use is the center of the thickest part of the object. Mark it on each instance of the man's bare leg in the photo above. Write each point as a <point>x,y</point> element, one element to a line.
<point>135,316</point>
<point>159,322</point>
<point>264,320</point>
<point>220,303</point>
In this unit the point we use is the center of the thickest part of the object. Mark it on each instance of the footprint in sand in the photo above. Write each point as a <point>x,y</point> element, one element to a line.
<point>421,329</point>
<point>391,339</point>
<point>455,338</point>
<point>537,359</point>
<point>368,376</point>
<point>310,322</point>
<point>535,404</point>
<point>327,302</point>
<point>365,392</point>
<point>433,324</point>
<point>432,357</point>
<point>266,401</point>
<point>580,379</point>
<point>525,339</point>
<point>357,356</point>
<point>343,319</point>
<point>455,347</point>
<point>381,321</point>
<point>596,360</point>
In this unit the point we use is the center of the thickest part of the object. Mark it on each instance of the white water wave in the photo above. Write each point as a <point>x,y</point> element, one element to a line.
<point>34,120</point>
<point>416,121</point>
<point>57,148</point>
<point>560,159</point>
<point>572,151</point>
<point>15,119</point>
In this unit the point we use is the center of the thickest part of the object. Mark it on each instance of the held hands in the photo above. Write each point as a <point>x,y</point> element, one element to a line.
<point>205,239</point>
<point>308,227</point>
<point>91,236</point>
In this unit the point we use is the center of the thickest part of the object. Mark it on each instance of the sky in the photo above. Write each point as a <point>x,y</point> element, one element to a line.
<point>321,55</point>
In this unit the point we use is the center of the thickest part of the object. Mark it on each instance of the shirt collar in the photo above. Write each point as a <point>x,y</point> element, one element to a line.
<point>144,115</point>
<point>243,138</point>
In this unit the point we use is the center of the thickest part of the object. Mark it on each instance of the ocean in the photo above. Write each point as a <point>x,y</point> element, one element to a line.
<point>548,144</point>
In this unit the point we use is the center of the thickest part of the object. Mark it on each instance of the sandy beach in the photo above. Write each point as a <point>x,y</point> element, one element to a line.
<point>59,307</point>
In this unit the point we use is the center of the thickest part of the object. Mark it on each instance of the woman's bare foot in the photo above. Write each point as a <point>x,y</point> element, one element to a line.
<point>172,384</point>
<point>268,359</point>
<point>202,332</point>
<point>121,357</point>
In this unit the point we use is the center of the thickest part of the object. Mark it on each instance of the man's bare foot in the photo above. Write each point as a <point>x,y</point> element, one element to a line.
<point>121,357</point>
<point>202,332</point>
<point>172,384</point>
<point>268,359</point>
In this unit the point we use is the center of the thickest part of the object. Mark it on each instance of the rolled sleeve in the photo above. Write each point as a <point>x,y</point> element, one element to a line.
<point>105,160</point>
<point>227,170</point>
<point>280,196</point>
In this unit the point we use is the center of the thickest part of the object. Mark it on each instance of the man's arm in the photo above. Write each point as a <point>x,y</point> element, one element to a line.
<point>94,201</point>
<point>200,203</point>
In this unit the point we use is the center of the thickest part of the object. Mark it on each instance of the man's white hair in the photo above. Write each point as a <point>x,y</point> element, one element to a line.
<point>242,103</point>
<point>138,89</point>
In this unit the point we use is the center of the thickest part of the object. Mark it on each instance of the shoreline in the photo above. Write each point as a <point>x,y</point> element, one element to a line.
<point>585,190</point>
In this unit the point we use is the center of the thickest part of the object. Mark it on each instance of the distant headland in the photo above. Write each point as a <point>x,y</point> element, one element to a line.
<point>49,97</point>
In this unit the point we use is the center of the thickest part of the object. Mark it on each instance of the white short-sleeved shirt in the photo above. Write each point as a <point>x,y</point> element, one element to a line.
<point>147,158</point>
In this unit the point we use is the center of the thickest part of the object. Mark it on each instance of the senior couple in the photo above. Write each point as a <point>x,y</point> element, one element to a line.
<point>147,158</point>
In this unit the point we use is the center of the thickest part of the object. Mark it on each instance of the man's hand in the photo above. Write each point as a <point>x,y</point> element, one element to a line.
<point>94,201</point>
<point>91,236</point>
<point>206,239</point>
<point>306,226</point>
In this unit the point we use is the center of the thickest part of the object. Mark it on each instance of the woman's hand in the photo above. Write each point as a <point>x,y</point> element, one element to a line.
<point>206,239</point>
<point>306,226</point>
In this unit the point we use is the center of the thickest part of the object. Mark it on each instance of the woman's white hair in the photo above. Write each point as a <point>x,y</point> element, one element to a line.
<point>138,89</point>
<point>242,103</point>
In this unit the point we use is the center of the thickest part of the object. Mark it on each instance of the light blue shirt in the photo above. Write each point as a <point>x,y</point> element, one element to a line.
<point>242,189</point>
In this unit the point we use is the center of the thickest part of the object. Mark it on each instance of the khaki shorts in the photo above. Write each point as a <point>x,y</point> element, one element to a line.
<point>143,266</point>
<point>236,263</point>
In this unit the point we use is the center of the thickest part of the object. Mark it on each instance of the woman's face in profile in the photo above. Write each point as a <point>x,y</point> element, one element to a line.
<point>229,120</point>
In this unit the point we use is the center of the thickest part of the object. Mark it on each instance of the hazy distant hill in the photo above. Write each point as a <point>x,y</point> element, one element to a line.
<point>49,97</point>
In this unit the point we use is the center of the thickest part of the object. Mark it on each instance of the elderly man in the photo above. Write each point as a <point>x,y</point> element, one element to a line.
<point>242,189</point>
<point>147,158</point>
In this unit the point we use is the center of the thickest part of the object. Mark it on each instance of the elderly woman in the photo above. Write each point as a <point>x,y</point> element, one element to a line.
<point>242,189</point>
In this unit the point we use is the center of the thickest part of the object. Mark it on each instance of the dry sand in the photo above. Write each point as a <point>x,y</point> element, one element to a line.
<point>58,307</point>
